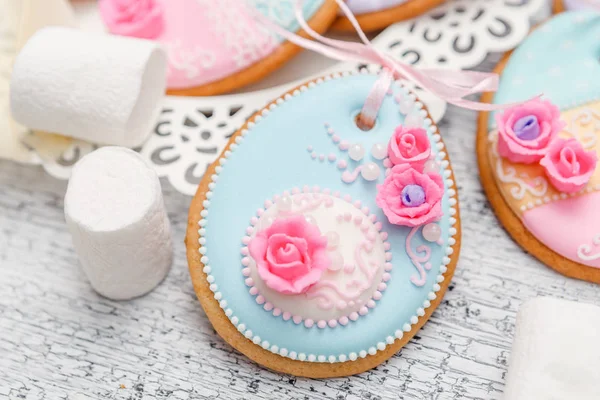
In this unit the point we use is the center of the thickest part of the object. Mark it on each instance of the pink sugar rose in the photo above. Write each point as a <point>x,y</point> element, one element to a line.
<point>290,255</point>
<point>410,197</point>
<point>409,145</point>
<point>136,18</point>
<point>525,131</point>
<point>568,166</point>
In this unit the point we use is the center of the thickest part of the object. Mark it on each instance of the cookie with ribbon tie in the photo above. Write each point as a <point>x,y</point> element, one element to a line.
<point>215,46</point>
<point>538,160</point>
<point>317,248</point>
<point>374,15</point>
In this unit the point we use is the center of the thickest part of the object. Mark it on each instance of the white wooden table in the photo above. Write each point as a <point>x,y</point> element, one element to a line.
<point>60,340</point>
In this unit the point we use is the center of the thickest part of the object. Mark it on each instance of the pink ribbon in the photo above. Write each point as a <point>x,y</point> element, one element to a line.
<point>451,86</point>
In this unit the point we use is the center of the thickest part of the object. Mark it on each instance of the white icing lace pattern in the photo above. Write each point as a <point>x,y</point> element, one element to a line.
<point>585,127</point>
<point>187,60</point>
<point>247,45</point>
<point>584,252</point>
<point>536,186</point>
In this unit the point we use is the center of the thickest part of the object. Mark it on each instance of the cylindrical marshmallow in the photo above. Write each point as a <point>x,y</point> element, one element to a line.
<point>555,352</point>
<point>115,212</point>
<point>100,88</point>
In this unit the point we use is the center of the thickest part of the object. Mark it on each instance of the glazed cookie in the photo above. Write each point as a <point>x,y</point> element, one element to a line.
<point>316,248</point>
<point>214,46</point>
<point>374,15</point>
<point>538,160</point>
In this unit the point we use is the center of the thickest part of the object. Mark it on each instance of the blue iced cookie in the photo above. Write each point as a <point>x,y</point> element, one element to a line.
<point>317,248</point>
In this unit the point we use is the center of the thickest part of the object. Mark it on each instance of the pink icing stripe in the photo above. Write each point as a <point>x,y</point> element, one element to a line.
<point>349,177</point>
<point>418,259</point>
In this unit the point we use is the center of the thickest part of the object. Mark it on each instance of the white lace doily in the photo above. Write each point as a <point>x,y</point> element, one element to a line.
<point>191,132</point>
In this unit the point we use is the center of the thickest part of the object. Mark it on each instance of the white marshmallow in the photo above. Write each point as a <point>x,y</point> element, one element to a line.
<point>555,353</point>
<point>100,88</point>
<point>115,212</point>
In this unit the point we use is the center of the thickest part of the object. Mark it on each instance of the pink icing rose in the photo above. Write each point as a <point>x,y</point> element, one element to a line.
<point>525,131</point>
<point>136,18</point>
<point>290,255</point>
<point>568,166</point>
<point>409,145</point>
<point>410,197</point>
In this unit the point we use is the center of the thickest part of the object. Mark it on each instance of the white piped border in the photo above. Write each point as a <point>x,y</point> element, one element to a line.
<point>406,327</point>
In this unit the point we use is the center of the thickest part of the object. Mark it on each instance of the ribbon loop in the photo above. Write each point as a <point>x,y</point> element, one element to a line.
<point>449,85</point>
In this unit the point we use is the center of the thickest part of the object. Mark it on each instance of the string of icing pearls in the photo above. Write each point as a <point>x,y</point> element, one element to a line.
<point>420,312</point>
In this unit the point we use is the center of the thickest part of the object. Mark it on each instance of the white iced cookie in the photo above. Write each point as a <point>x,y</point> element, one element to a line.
<point>115,212</point>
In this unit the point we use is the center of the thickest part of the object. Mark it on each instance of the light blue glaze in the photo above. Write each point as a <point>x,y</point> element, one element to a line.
<point>560,59</point>
<point>273,157</point>
<point>282,11</point>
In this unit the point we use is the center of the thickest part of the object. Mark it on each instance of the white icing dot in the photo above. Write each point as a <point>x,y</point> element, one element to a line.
<point>312,358</point>
<point>352,356</point>
<point>362,354</point>
<point>398,334</point>
<point>372,351</point>
<point>342,358</point>
<point>301,356</point>
<point>331,359</point>
<point>370,171</point>
<point>356,152</point>
<point>379,151</point>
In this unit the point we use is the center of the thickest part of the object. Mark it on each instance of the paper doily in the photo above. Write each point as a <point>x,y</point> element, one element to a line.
<point>191,132</point>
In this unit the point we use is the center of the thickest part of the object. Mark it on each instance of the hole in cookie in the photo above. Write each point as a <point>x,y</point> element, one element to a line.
<point>361,123</point>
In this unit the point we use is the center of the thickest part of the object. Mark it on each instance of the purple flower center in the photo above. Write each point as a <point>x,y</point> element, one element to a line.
<point>413,196</point>
<point>527,128</point>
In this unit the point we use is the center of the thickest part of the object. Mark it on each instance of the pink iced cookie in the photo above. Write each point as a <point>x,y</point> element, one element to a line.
<point>210,41</point>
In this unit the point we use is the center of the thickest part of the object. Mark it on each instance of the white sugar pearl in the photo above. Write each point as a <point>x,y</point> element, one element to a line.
<point>284,203</point>
<point>370,171</point>
<point>405,106</point>
<point>356,152</point>
<point>413,121</point>
<point>337,261</point>
<point>431,167</point>
<point>432,232</point>
<point>379,151</point>
<point>333,239</point>
<point>310,219</point>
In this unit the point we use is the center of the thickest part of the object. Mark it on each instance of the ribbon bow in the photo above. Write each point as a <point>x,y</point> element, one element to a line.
<point>449,85</point>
